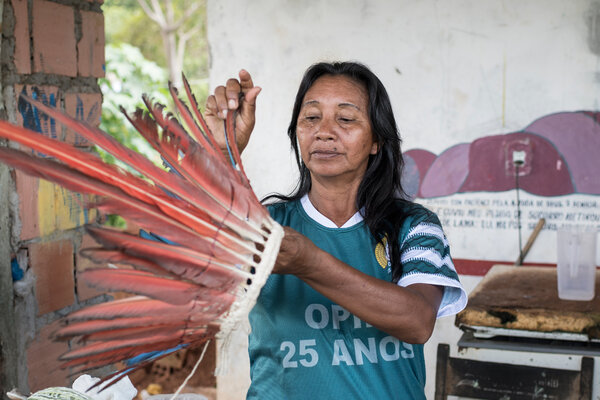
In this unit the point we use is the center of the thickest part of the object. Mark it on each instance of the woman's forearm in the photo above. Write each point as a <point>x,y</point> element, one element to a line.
<point>408,313</point>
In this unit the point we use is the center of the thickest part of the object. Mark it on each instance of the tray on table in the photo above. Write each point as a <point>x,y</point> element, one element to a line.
<point>518,301</point>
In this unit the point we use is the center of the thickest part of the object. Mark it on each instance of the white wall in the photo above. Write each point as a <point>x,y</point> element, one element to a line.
<point>456,70</point>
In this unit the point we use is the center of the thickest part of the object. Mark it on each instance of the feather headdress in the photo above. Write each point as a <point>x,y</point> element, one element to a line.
<point>220,247</point>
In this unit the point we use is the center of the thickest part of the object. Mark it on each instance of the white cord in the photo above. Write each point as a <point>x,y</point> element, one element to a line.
<point>15,395</point>
<point>246,299</point>
<point>191,373</point>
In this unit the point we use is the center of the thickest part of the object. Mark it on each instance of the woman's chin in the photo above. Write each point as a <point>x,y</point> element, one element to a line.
<point>332,173</point>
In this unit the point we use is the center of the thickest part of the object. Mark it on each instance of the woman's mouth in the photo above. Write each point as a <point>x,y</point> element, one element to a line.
<point>324,154</point>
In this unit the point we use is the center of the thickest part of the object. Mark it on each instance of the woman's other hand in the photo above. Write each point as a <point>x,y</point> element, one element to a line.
<point>296,253</point>
<point>237,95</point>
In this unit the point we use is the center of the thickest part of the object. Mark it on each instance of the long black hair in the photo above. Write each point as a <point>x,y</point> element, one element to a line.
<point>380,194</point>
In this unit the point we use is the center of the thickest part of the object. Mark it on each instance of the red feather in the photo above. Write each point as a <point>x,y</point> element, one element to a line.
<point>172,291</point>
<point>148,216</point>
<point>200,166</point>
<point>173,183</point>
<point>96,354</point>
<point>142,307</point>
<point>101,255</point>
<point>216,181</point>
<point>176,316</point>
<point>185,293</point>
<point>185,262</point>
<point>196,110</point>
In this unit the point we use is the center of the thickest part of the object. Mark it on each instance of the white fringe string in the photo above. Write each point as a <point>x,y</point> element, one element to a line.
<point>15,395</point>
<point>187,379</point>
<point>239,310</point>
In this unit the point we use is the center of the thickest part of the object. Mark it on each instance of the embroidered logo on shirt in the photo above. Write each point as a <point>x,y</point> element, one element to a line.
<point>381,253</point>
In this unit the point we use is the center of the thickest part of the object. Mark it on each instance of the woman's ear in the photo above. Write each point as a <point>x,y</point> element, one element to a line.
<point>374,148</point>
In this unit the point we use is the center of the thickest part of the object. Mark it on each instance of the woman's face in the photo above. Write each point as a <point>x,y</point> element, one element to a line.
<point>334,129</point>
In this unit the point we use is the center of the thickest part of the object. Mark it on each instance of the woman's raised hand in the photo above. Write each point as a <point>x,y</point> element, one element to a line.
<point>237,95</point>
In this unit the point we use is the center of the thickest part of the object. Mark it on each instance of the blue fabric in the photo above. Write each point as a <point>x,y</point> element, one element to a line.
<point>17,272</point>
<point>152,355</point>
<point>153,236</point>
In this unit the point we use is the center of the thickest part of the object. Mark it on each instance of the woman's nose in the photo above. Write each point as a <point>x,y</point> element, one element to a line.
<point>326,130</point>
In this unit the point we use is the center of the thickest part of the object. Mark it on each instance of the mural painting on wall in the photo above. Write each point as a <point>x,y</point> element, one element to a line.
<point>553,162</point>
<point>57,208</point>
<point>32,118</point>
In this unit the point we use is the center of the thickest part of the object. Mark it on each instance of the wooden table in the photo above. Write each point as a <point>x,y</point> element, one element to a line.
<point>526,298</point>
<point>516,308</point>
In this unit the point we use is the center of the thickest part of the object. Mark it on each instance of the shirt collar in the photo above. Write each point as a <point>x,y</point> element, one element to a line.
<point>314,214</point>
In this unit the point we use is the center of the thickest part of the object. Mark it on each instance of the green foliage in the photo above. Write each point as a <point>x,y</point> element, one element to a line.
<point>126,22</point>
<point>116,221</point>
<point>128,76</point>
<point>135,64</point>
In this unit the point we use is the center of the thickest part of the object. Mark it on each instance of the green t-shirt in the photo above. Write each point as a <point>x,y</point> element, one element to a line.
<point>304,346</point>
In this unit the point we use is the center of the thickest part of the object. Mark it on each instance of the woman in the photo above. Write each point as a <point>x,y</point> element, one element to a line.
<point>362,274</point>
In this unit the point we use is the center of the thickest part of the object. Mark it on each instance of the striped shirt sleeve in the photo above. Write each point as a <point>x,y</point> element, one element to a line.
<point>425,257</point>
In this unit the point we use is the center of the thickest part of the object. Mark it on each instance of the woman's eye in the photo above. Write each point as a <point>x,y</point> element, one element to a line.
<point>311,117</point>
<point>344,119</point>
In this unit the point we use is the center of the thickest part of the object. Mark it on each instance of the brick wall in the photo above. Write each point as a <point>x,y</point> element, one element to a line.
<point>52,50</point>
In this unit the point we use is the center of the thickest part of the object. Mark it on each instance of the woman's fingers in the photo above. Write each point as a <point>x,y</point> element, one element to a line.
<point>250,96</point>
<point>248,108</point>
<point>248,89</point>
<point>245,80</point>
<point>211,105</point>
<point>296,253</point>
<point>221,101</point>
<point>232,93</point>
<point>215,102</point>
<point>227,97</point>
<point>237,95</point>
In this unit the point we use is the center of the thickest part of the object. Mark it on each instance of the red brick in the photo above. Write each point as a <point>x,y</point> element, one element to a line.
<point>85,291</point>
<point>27,188</point>
<point>85,107</point>
<point>42,360</point>
<point>52,264</point>
<point>90,49</point>
<point>54,45</point>
<point>29,116</point>
<point>22,55</point>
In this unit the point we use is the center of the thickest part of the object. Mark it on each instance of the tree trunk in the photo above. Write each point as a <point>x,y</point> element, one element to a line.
<point>172,32</point>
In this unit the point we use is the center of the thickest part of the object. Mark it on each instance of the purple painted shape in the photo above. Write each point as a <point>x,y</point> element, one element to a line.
<point>595,115</point>
<point>422,160</point>
<point>576,135</point>
<point>491,166</point>
<point>447,173</point>
<point>411,179</point>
